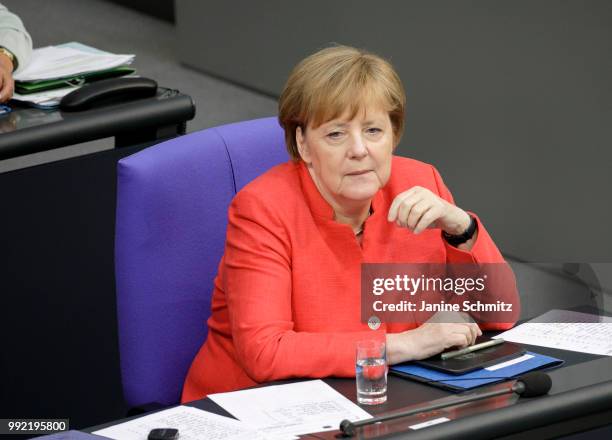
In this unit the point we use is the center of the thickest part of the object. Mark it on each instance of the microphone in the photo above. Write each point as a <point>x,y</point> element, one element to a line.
<point>531,384</point>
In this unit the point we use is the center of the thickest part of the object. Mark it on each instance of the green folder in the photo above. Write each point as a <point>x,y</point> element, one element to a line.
<point>25,87</point>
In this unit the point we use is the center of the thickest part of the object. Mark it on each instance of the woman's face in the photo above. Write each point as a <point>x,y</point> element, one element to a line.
<point>349,160</point>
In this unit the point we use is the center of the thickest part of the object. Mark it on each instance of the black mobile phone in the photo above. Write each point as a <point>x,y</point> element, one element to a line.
<point>473,361</point>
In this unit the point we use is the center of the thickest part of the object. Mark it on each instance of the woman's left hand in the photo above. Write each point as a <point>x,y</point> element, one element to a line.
<point>418,209</point>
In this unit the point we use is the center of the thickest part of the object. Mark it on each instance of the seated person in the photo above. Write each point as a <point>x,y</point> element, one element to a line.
<point>15,50</point>
<point>286,300</point>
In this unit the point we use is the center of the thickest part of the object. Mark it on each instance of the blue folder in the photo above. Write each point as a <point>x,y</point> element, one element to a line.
<point>476,378</point>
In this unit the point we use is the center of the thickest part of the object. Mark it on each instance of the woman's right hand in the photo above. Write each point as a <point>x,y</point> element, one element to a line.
<point>429,339</point>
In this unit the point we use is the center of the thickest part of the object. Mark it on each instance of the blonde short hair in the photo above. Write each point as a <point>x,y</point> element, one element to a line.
<point>331,81</point>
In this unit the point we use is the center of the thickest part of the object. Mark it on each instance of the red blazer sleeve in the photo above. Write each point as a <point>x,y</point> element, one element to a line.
<point>257,280</point>
<point>484,250</point>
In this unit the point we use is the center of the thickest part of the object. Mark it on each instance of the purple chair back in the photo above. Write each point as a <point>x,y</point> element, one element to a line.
<point>172,202</point>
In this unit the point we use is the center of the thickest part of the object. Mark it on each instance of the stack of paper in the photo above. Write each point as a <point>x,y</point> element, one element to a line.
<point>192,424</point>
<point>55,71</point>
<point>46,99</point>
<point>286,411</point>
<point>565,330</point>
<point>273,413</point>
<point>56,62</point>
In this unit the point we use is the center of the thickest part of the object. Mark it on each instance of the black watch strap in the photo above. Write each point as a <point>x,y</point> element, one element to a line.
<point>456,240</point>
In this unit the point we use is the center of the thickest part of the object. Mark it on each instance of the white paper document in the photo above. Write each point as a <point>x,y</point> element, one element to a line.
<point>565,330</point>
<point>55,62</point>
<point>284,411</point>
<point>192,423</point>
<point>48,98</point>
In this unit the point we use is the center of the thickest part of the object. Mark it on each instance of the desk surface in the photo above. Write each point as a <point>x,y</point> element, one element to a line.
<point>28,130</point>
<point>580,399</point>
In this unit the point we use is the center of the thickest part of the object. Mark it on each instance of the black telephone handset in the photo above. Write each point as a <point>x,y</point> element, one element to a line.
<point>106,91</point>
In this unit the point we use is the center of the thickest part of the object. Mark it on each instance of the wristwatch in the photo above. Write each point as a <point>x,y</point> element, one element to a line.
<point>10,56</point>
<point>456,240</point>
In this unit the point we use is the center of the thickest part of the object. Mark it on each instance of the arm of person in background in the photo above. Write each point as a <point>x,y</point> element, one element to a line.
<point>16,50</point>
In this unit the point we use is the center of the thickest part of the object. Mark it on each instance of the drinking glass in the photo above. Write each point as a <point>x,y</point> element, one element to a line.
<point>371,372</point>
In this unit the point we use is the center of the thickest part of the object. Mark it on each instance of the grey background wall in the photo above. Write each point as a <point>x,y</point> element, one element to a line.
<point>511,100</point>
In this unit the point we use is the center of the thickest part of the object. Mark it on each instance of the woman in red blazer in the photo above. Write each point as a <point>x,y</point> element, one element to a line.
<point>286,299</point>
